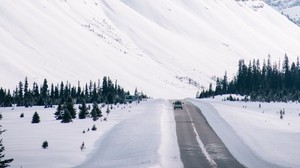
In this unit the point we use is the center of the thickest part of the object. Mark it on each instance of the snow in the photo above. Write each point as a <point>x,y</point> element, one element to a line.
<point>148,44</point>
<point>144,135</point>
<point>140,135</point>
<point>158,47</point>
<point>257,137</point>
<point>290,8</point>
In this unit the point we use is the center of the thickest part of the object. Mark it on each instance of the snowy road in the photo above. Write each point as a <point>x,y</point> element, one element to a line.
<point>199,145</point>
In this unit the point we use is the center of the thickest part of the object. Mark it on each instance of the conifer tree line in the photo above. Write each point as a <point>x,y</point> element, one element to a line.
<point>267,82</point>
<point>50,94</point>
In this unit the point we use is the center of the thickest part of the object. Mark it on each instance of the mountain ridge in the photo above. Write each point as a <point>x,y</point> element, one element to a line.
<point>289,8</point>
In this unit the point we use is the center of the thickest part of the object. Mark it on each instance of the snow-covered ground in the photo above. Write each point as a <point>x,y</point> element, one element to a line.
<point>140,135</point>
<point>255,135</point>
<point>144,135</point>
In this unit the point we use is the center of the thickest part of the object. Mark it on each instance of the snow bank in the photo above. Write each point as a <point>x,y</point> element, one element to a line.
<point>140,135</point>
<point>257,137</point>
<point>142,139</point>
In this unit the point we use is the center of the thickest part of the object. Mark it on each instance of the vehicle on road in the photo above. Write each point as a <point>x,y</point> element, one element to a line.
<point>178,105</point>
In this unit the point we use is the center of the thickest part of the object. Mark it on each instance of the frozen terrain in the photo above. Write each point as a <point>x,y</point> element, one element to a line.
<point>243,126</point>
<point>144,135</point>
<point>167,49</point>
<point>134,136</point>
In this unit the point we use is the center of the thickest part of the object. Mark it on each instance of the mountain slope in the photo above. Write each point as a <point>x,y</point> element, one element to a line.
<point>290,8</point>
<point>165,48</point>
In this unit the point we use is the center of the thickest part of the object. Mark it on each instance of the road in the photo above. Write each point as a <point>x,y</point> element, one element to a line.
<point>199,145</point>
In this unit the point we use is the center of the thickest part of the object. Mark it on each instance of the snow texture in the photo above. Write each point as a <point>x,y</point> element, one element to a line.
<point>289,8</point>
<point>257,137</point>
<point>134,135</point>
<point>168,49</point>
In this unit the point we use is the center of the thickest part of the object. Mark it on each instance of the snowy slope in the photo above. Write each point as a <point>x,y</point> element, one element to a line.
<point>290,8</point>
<point>165,48</point>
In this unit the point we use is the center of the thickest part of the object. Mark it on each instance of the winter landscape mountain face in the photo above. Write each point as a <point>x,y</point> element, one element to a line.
<point>290,8</point>
<point>165,48</point>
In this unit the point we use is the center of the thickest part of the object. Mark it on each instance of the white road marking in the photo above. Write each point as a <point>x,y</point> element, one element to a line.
<point>201,145</point>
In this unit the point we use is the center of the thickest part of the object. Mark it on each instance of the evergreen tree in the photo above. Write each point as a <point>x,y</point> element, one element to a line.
<point>96,112</point>
<point>272,82</point>
<point>69,104</point>
<point>66,116</point>
<point>35,92</point>
<point>45,145</point>
<point>83,110</point>
<point>61,93</point>
<point>59,112</point>
<point>94,128</point>
<point>3,162</point>
<point>20,93</point>
<point>105,89</point>
<point>35,118</point>
<point>26,94</point>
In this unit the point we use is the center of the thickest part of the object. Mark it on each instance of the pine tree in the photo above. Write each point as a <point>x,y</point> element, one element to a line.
<point>59,112</point>
<point>20,94</point>
<point>26,94</point>
<point>70,106</point>
<point>45,144</point>
<point>96,112</point>
<point>83,110</point>
<point>3,162</point>
<point>35,118</point>
<point>94,128</point>
<point>66,116</point>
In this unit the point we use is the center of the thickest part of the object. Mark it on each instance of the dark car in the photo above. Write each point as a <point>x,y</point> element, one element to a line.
<point>178,105</point>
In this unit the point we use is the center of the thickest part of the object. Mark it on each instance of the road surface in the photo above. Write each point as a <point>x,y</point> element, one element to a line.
<point>199,145</point>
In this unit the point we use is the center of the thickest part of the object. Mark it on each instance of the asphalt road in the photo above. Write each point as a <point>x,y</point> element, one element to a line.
<point>199,145</point>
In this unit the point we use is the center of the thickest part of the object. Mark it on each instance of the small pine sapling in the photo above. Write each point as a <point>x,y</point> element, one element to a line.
<point>94,128</point>
<point>45,145</point>
<point>35,118</point>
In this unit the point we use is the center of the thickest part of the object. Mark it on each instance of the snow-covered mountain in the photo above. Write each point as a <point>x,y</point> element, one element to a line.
<point>290,8</point>
<point>166,48</point>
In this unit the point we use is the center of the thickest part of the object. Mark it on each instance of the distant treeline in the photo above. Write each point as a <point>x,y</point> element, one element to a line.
<point>269,82</point>
<point>48,95</point>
